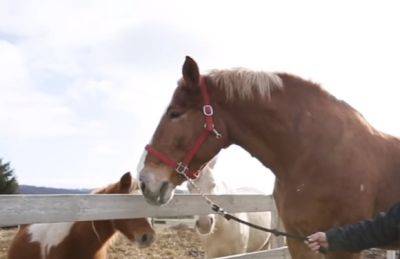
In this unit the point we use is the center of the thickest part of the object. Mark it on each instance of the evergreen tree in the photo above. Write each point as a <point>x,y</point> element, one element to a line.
<point>8,182</point>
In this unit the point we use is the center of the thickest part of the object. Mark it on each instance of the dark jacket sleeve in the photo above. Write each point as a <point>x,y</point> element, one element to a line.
<point>382,230</point>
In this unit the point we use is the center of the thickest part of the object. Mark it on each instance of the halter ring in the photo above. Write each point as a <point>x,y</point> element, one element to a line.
<point>208,110</point>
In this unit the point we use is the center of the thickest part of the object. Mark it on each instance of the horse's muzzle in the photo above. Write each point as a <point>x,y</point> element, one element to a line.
<point>156,192</point>
<point>145,240</point>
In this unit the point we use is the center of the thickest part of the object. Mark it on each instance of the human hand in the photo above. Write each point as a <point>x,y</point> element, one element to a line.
<point>317,241</point>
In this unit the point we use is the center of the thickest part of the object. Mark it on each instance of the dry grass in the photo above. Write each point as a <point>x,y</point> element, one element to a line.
<point>5,240</point>
<point>170,243</point>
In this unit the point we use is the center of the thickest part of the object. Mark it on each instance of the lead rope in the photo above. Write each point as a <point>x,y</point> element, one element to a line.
<point>222,212</point>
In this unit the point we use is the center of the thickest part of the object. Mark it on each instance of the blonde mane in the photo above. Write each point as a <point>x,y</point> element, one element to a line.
<point>245,84</point>
<point>107,188</point>
<point>102,190</point>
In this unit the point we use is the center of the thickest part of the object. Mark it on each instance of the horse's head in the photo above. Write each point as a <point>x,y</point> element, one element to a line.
<point>137,230</point>
<point>205,183</point>
<point>178,133</point>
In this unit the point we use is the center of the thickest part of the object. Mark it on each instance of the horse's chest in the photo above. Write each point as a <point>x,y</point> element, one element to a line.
<point>306,207</point>
<point>292,207</point>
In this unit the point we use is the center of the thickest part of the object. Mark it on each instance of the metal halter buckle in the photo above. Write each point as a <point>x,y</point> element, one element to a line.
<point>214,130</point>
<point>196,174</point>
<point>208,110</point>
<point>217,134</point>
<point>181,168</point>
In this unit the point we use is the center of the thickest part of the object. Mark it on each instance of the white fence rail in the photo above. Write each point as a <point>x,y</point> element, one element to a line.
<point>277,253</point>
<point>26,209</point>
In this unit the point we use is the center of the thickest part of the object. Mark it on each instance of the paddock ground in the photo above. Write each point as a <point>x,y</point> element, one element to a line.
<point>172,242</point>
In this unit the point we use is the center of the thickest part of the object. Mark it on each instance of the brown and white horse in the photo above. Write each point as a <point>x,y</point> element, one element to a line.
<point>331,166</point>
<point>81,240</point>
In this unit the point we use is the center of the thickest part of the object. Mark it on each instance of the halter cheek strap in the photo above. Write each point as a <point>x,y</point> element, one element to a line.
<point>182,167</point>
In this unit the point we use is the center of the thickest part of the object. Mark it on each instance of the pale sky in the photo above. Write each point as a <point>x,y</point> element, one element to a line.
<point>84,83</point>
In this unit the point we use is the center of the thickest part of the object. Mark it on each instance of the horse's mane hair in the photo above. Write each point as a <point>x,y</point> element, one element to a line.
<point>245,84</point>
<point>102,190</point>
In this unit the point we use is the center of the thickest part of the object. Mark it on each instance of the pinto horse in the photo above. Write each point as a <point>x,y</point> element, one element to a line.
<point>86,239</point>
<point>331,166</point>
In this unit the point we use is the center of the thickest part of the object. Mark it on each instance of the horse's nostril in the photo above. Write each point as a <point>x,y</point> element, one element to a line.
<point>144,238</point>
<point>142,186</point>
<point>211,220</point>
<point>164,188</point>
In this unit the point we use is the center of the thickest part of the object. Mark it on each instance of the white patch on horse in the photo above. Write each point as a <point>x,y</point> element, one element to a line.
<point>361,187</point>
<point>49,235</point>
<point>246,84</point>
<point>149,221</point>
<point>183,116</point>
<point>300,188</point>
<point>140,165</point>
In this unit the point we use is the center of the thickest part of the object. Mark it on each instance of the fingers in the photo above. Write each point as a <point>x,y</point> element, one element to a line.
<point>319,236</point>
<point>316,241</point>
<point>314,247</point>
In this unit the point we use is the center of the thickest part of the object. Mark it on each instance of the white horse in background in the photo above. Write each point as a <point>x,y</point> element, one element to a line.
<point>221,237</point>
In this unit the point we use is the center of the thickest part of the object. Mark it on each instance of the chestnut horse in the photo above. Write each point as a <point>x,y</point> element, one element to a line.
<point>86,239</point>
<point>331,166</point>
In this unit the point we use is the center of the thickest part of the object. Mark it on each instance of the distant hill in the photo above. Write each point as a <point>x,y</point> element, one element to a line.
<point>30,189</point>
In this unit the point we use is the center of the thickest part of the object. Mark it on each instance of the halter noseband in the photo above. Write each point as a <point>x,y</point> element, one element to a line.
<point>182,167</point>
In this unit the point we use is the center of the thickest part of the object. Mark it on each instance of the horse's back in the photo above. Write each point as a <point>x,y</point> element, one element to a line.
<point>258,239</point>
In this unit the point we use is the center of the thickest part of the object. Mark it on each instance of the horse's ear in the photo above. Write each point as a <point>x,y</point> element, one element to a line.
<point>213,185</point>
<point>212,162</point>
<point>125,182</point>
<point>190,72</point>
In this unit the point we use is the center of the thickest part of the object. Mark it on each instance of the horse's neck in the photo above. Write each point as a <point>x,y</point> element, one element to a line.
<point>93,235</point>
<point>296,121</point>
<point>206,180</point>
<point>221,188</point>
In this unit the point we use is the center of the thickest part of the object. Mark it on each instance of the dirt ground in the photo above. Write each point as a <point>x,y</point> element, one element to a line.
<point>181,242</point>
<point>5,239</point>
<point>170,243</point>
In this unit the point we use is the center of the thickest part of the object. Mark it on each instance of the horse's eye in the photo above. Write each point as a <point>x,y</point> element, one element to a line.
<point>174,114</point>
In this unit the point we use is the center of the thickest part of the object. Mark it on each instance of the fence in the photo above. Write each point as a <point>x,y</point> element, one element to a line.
<point>27,209</point>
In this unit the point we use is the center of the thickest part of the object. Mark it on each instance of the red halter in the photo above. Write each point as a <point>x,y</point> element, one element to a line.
<point>182,167</point>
